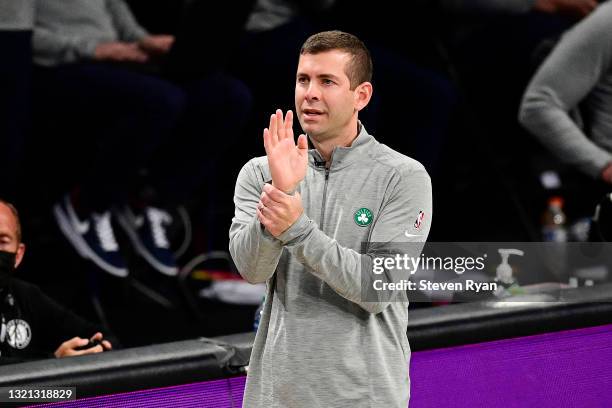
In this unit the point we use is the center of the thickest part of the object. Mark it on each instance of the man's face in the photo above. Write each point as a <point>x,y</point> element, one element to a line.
<point>8,234</point>
<point>324,102</point>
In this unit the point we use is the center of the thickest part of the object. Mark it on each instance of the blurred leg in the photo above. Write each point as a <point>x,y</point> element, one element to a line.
<point>116,118</point>
<point>412,107</point>
<point>15,72</point>
<point>217,109</point>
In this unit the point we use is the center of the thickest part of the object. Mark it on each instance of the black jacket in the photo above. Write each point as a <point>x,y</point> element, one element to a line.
<point>33,325</point>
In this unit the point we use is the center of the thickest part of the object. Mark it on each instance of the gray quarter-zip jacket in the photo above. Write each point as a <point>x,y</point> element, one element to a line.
<point>319,344</point>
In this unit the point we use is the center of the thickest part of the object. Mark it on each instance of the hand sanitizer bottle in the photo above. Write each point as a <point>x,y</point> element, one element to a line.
<point>506,283</point>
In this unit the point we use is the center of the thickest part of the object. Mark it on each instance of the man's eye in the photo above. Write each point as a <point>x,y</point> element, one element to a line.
<point>302,80</point>
<point>328,82</point>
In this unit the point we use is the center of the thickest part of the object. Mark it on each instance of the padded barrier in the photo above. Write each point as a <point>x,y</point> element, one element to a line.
<point>205,359</point>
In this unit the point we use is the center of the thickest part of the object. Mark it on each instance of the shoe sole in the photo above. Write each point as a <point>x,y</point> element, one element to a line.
<point>140,248</point>
<point>81,246</point>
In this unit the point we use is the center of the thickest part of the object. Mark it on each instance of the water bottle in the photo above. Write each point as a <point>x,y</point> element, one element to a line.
<point>554,232</point>
<point>258,314</point>
<point>553,221</point>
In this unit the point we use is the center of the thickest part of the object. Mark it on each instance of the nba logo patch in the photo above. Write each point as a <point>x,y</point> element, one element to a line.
<point>419,220</point>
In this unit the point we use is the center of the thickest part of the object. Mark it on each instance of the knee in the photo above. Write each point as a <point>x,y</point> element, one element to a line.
<point>238,94</point>
<point>165,100</point>
<point>223,93</point>
<point>436,90</point>
<point>239,98</point>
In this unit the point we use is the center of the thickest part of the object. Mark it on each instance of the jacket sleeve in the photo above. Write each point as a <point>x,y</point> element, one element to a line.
<point>349,272</point>
<point>129,30</point>
<point>488,6</point>
<point>62,324</point>
<point>254,250</point>
<point>16,14</point>
<point>566,77</point>
<point>48,46</point>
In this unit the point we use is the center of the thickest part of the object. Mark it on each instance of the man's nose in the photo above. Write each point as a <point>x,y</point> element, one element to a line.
<point>313,92</point>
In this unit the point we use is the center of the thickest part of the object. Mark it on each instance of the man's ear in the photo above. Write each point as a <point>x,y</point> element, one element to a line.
<point>19,255</point>
<point>363,94</point>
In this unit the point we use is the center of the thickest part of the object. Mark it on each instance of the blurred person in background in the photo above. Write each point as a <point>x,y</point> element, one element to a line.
<point>16,21</point>
<point>33,325</point>
<point>572,8</point>
<point>423,97</point>
<point>99,86</point>
<point>568,104</point>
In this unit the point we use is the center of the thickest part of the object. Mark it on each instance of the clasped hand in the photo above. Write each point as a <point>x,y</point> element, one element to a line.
<point>139,52</point>
<point>72,347</point>
<point>606,173</point>
<point>277,209</point>
<point>571,8</point>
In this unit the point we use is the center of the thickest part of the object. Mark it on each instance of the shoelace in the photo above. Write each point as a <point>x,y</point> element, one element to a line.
<point>105,232</point>
<point>158,219</point>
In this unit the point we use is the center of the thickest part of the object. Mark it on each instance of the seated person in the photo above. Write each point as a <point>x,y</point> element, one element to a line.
<point>276,28</point>
<point>32,324</point>
<point>16,20</point>
<point>574,8</point>
<point>114,115</point>
<point>577,72</point>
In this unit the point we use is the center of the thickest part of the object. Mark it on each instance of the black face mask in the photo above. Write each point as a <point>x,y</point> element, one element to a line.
<point>7,267</point>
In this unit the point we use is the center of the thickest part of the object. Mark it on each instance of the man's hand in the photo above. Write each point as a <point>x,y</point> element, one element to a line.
<point>69,347</point>
<point>571,8</point>
<point>278,211</point>
<point>120,52</point>
<point>156,45</point>
<point>606,173</point>
<point>287,161</point>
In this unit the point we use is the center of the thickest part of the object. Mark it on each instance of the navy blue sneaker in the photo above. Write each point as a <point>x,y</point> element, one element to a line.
<point>147,230</point>
<point>93,238</point>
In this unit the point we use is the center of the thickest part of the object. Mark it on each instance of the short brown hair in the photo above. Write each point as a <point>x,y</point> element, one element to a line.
<point>359,69</point>
<point>16,215</point>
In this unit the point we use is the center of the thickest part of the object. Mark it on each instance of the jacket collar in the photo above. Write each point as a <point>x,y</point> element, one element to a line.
<point>344,156</point>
